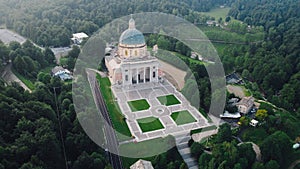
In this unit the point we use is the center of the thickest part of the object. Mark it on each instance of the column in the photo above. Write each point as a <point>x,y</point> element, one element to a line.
<point>137,76</point>
<point>156,73</point>
<point>130,76</point>
<point>123,78</point>
<point>151,73</point>
<point>144,75</point>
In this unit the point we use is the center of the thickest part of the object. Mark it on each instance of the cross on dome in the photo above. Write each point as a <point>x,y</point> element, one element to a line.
<point>131,23</point>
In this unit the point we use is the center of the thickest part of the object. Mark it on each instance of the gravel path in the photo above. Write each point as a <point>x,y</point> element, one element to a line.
<point>176,74</point>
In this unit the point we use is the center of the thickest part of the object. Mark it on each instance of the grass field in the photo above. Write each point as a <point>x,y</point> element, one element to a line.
<point>63,61</point>
<point>26,81</point>
<point>117,118</point>
<point>168,100</point>
<point>138,105</point>
<point>150,124</point>
<point>183,117</point>
<point>47,69</point>
<point>149,149</point>
<point>218,13</point>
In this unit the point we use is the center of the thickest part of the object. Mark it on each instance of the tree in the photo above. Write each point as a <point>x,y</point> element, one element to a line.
<point>220,20</point>
<point>74,53</point>
<point>49,55</point>
<point>261,114</point>
<point>272,165</point>
<point>204,160</point>
<point>244,121</point>
<point>246,151</point>
<point>237,166</point>
<point>4,53</point>
<point>277,147</point>
<point>228,18</point>
<point>19,64</point>
<point>246,74</point>
<point>258,165</point>
<point>224,133</point>
<point>14,45</point>
<point>196,150</point>
<point>163,43</point>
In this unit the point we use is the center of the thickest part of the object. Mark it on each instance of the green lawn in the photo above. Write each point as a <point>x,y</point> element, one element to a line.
<point>218,34</point>
<point>208,128</point>
<point>116,116</point>
<point>28,82</point>
<point>150,124</point>
<point>149,149</point>
<point>63,61</point>
<point>168,100</point>
<point>138,105</point>
<point>218,13</point>
<point>183,117</point>
<point>48,69</point>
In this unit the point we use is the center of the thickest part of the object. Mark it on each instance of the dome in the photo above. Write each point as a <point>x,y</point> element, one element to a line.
<point>132,36</point>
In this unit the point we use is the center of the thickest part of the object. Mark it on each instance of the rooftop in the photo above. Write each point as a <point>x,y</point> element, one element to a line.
<point>80,35</point>
<point>142,164</point>
<point>132,36</point>
<point>246,101</point>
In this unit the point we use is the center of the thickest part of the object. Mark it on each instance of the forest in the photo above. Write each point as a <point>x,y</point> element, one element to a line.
<point>40,129</point>
<point>51,23</point>
<point>273,64</point>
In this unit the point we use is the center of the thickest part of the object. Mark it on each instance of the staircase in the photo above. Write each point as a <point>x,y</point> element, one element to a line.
<point>185,151</point>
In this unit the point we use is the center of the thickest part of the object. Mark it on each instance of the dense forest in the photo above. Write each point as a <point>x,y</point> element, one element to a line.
<point>37,134</point>
<point>51,23</point>
<point>273,64</point>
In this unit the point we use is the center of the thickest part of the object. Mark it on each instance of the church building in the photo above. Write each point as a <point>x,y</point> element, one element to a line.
<point>130,63</point>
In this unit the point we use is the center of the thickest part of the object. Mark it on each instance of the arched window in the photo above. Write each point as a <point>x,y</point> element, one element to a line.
<point>135,53</point>
<point>126,53</point>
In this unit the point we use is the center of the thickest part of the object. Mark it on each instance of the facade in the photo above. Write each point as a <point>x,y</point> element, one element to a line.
<point>130,63</point>
<point>245,105</point>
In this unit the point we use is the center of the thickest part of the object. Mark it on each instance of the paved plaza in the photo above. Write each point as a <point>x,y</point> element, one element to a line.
<point>150,92</point>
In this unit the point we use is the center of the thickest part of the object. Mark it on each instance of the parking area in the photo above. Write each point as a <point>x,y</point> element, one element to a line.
<point>7,36</point>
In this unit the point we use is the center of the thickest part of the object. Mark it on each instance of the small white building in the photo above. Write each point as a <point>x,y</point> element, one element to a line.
<point>245,105</point>
<point>211,23</point>
<point>296,146</point>
<point>79,37</point>
<point>253,123</point>
<point>228,115</point>
<point>142,164</point>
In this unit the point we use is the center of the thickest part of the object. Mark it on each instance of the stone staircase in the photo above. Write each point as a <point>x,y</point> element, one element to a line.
<point>185,151</point>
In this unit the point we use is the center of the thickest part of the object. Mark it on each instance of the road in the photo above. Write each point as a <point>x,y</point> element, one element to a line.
<point>110,135</point>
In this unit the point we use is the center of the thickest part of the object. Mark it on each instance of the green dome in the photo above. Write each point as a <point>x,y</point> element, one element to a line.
<point>132,37</point>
